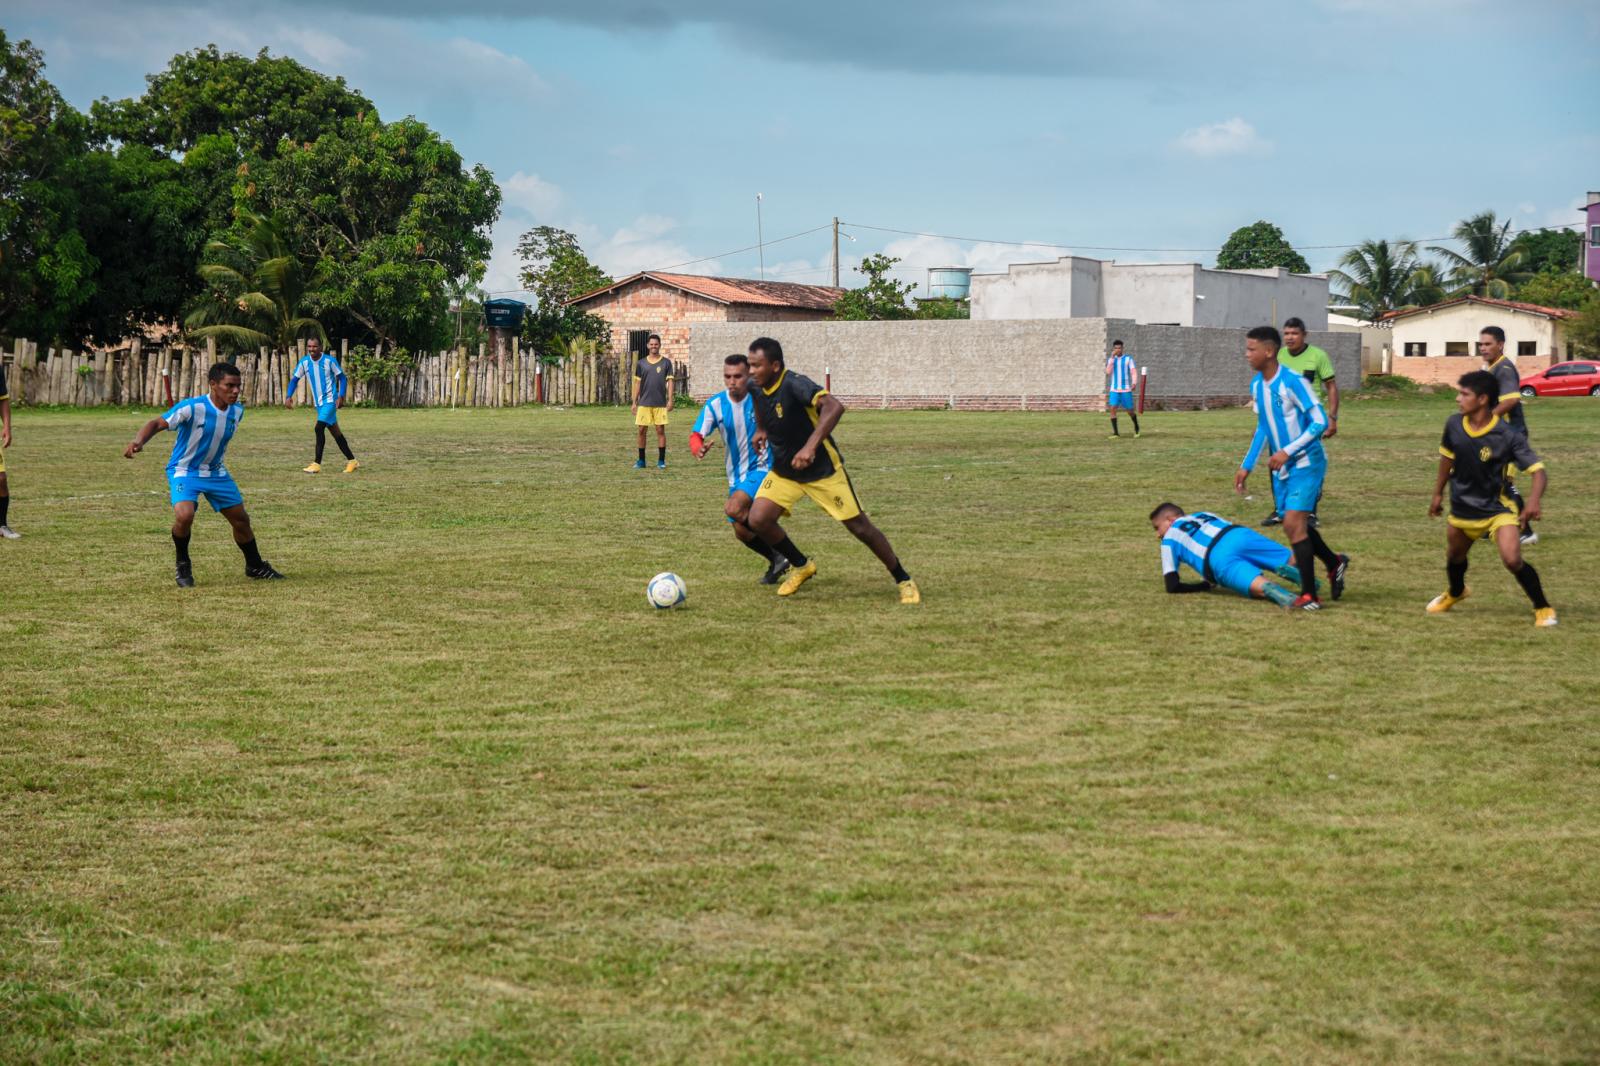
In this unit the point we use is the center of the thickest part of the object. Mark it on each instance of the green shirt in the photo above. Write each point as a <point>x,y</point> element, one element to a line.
<point>1312,364</point>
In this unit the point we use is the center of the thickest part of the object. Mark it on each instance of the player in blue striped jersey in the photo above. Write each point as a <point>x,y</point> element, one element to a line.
<point>204,425</point>
<point>1291,419</point>
<point>328,384</point>
<point>732,412</point>
<point>1122,378</point>
<point>1222,553</point>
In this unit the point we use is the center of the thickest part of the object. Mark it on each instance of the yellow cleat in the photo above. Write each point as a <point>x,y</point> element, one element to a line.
<point>1544,617</point>
<point>909,593</point>
<point>314,468</point>
<point>796,578</point>
<point>1444,601</point>
<point>351,466</point>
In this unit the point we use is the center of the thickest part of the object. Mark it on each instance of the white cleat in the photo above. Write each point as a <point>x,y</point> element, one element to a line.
<point>9,533</point>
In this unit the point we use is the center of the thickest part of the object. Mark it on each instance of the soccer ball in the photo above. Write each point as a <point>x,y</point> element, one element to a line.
<point>666,590</point>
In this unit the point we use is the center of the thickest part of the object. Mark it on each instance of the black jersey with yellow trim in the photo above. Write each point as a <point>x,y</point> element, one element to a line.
<point>788,411</point>
<point>1510,382</point>
<point>1480,481</point>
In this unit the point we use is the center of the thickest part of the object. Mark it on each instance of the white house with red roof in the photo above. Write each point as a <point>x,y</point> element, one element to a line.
<point>1438,343</point>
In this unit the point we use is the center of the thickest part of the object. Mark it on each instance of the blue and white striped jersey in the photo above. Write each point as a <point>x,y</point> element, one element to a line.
<point>1289,417</point>
<point>203,434</point>
<point>738,424</point>
<point>1122,371</point>
<point>1189,539</point>
<point>325,377</point>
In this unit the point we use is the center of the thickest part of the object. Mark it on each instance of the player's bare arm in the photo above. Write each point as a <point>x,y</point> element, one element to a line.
<point>1531,508</point>
<point>141,438</point>
<point>1239,477</point>
<point>1436,507</point>
<point>829,411</point>
<point>1276,460</point>
<point>1333,409</point>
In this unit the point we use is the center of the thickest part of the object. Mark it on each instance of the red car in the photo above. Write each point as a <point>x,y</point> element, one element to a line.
<point>1564,379</point>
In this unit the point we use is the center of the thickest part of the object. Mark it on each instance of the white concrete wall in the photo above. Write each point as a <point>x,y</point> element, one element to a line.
<point>1240,299</point>
<point>1462,322</point>
<point>1150,292</point>
<point>1026,290</point>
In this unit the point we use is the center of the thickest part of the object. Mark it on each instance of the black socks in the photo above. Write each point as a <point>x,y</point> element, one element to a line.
<point>898,572</point>
<point>786,548</point>
<point>181,545</point>
<point>1320,547</point>
<point>1114,432</point>
<point>758,546</point>
<point>338,438</point>
<point>1305,561</point>
<point>5,505</point>
<point>252,555</point>
<point>1135,419</point>
<point>1457,573</point>
<point>661,455</point>
<point>641,455</point>
<point>322,428</point>
<point>1528,578</point>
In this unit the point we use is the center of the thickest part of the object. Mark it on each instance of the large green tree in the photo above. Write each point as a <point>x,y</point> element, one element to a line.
<point>556,269</point>
<point>882,298</point>
<point>1259,246</point>
<point>1550,249</point>
<point>47,271</point>
<point>256,289</point>
<point>1488,263</point>
<point>1557,288</point>
<point>1382,276</point>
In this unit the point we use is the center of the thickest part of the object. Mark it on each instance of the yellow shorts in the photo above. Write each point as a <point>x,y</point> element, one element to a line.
<point>1476,528</point>
<point>650,416</point>
<point>833,493</point>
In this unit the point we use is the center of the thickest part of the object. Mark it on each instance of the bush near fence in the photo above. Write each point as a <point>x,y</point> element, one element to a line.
<point>160,375</point>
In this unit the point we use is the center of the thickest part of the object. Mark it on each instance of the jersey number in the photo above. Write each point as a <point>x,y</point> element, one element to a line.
<point>1189,526</point>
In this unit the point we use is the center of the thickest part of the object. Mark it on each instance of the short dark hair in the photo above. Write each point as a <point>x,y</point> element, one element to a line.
<point>769,348</point>
<point>1483,383</point>
<point>1294,322</point>
<point>222,370</point>
<point>1116,344</point>
<point>1163,508</point>
<point>1265,333</point>
<point>1494,331</point>
<point>735,359</point>
<point>652,337</point>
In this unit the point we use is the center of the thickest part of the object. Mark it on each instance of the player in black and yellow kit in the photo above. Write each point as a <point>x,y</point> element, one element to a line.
<point>1477,449</point>
<point>1492,350</point>
<point>796,417</point>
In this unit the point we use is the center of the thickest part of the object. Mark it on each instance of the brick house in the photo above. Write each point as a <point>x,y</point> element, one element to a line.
<point>1437,344</point>
<point>670,304</point>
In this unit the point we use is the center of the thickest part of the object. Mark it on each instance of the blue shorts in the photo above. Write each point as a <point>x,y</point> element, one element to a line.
<point>1120,399</point>
<point>1241,555</point>
<point>220,492</point>
<point>328,412</point>
<point>1301,490</point>
<point>749,486</point>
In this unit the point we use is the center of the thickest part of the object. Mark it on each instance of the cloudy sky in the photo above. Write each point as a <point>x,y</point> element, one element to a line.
<point>1128,129</point>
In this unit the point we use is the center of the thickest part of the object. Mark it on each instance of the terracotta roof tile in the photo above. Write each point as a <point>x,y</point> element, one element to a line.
<point>1486,301</point>
<point>736,291</point>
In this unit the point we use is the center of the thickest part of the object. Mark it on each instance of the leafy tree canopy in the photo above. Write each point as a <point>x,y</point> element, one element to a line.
<point>881,299</point>
<point>1489,263</point>
<point>1557,288</point>
<point>1549,249</point>
<point>1260,246</point>
<point>556,269</point>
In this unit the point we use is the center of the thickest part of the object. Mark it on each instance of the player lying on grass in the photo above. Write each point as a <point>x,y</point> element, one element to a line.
<point>328,385</point>
<point>1222,553</point>
<point>1291,420</point>
<point>1478,448</point>
<point>796,418</point>
<point>732,411</point>
<point>205,425</point>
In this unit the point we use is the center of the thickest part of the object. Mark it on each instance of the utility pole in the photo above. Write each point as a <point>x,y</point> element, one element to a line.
<point>761,251</point>
<point>836,251</point>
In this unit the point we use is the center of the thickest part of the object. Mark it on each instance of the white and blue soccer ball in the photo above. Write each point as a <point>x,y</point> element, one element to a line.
<point>666,590</point>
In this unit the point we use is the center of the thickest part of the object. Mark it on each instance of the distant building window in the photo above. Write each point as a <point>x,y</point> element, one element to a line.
<point>1416,347</point>
<point>1455,348</point>
<point>1527,348</point>
<point>1594,236</point>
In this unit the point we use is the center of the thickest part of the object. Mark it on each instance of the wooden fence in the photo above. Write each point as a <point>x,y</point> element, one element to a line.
<point>158,376</point>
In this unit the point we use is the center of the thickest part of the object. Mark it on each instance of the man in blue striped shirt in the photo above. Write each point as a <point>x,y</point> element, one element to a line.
<point>1291,419</point>
<point>205,425</point>
<point>733,412</point>
<point>1222,553</point>
<point>1123,378</point>
<point>328,384</point>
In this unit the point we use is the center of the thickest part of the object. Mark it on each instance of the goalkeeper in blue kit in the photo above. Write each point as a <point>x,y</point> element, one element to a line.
<point>1222,553</point>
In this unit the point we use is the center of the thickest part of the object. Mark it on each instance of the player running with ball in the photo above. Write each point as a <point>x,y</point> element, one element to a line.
<point>733,412</point>
<point>1292,420</point>
<point>205,425</point>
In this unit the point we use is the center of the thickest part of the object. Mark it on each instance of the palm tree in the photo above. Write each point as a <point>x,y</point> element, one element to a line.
<point>1488,264</point>
<point>258,290</point>
<point>1376,276</point>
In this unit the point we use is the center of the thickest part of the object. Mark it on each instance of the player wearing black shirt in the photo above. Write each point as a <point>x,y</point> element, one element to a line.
<point>1492,350</point>
<point>796,417</point>
<point>5,442</point>
<point>1474,456</point>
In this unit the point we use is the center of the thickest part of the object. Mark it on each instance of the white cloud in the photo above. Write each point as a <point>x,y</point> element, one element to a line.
<point>1232,137</point>
<point>531,195</point>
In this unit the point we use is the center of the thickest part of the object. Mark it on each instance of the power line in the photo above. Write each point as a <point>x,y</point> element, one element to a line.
<point>747,248</point>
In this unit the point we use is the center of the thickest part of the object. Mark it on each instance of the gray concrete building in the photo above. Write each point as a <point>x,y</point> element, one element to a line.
<point>1175,294</point>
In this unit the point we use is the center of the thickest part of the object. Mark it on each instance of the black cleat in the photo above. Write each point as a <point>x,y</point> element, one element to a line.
<point>775,572</point>
<point>185,575</point>
<point>1273,519</point>
<point>1336,576</point>
<point>264,572</point>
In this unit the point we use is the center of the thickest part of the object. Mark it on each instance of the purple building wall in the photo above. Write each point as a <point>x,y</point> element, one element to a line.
<point>1591,231</point>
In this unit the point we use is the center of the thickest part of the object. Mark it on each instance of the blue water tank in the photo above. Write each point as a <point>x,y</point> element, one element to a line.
<point>951,283</point>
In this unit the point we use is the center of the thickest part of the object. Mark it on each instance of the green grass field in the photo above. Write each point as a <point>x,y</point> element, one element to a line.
<point>454,793</point>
